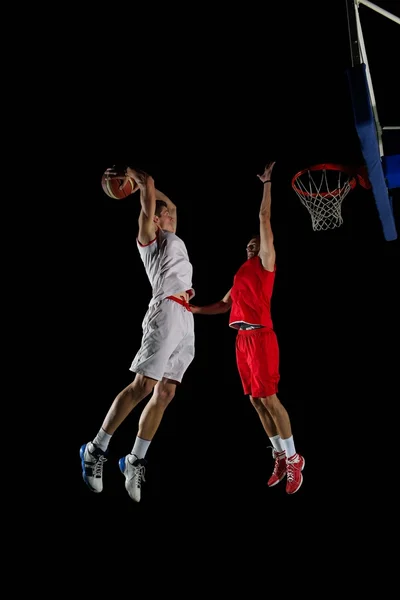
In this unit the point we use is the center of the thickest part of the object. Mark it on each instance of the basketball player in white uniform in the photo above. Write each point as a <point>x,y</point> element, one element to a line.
<point>167,347</point>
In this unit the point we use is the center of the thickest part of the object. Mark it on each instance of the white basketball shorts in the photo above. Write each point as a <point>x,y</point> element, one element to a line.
<point>167,347</point>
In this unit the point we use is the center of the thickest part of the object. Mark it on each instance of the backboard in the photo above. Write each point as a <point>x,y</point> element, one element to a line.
<point>383,168</point>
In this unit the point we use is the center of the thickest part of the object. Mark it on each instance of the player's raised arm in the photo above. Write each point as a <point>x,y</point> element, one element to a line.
<point>145,182</point>
<point>267,249</point>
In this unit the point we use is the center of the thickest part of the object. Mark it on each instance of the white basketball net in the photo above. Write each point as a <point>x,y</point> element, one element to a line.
<point>322,193</point>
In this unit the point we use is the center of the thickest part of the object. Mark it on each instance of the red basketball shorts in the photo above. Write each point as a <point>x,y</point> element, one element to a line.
<point>257,359</point>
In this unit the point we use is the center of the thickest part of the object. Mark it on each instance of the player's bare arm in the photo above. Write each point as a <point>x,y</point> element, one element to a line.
<point>216,308</point>
<point>145,183</point>
<point>267,248</point>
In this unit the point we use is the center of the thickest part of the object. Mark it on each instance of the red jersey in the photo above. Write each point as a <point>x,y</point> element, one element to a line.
<point>251,295</point>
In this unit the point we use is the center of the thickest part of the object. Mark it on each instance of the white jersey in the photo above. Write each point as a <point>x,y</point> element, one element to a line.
<point>167,266</point>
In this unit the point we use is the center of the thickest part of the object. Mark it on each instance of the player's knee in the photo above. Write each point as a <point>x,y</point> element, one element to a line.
<point>256,402</point>
<point>164,396</point>
<point>143,384</point>
<point>271,402</point>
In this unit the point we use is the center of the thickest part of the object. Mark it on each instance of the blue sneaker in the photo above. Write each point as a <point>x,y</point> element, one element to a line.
<point>133,469</point>
<point>92,466</point>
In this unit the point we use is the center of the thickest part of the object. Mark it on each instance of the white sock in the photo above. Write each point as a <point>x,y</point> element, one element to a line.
<point>140,447</point>
<point>277,443</point>
<point>288,445</point>
<point>102,440</point>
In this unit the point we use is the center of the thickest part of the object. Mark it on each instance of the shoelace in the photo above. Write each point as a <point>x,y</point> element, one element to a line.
<point>276,465</point>
<point>139,472</point>
<point>291,466</point>
<point>98,466</point>
<point>277,458</point>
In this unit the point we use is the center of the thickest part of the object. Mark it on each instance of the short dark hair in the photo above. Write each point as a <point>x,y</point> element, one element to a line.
<point>160,204</point>
<point>256,236</point>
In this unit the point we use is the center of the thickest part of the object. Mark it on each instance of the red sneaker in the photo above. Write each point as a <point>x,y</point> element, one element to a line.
<point>294,467</point>
<point>279,468</point>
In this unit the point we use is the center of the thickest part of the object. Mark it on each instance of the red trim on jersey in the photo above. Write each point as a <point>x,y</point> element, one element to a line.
<point>144,245</point>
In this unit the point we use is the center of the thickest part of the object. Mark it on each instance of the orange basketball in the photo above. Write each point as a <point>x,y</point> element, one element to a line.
<point>116,188</point>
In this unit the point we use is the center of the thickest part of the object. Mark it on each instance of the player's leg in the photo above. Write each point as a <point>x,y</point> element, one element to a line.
<point>294,461</point>
<point>171,358</point>
<point>266,370</point>
<point>148,364</point>
<point>94,453</point>
<point>256,381</point>
<point>265,417</point>
<point>133,465</point>
<point>279,415</point>
<point>177,331</point>
<point>153,412</point>
<point>262,353</point>
<point>126,401</point>
<point>263,356</point>
<point>278,451</point>
<point>181,335</point>
<point>246,345</point>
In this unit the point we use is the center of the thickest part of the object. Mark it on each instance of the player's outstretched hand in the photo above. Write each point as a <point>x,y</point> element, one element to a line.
<point>267,172</point>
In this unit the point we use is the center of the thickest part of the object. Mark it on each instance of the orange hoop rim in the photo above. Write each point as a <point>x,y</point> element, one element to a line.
<point>329,167</point>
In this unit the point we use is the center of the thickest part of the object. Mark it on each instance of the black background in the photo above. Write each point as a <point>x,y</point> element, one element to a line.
<point>202,98</point>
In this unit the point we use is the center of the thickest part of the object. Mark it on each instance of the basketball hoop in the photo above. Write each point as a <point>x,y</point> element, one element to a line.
<point>322,189</point>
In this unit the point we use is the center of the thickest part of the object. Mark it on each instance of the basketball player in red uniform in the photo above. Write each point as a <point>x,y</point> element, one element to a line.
<point>257,350</point>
